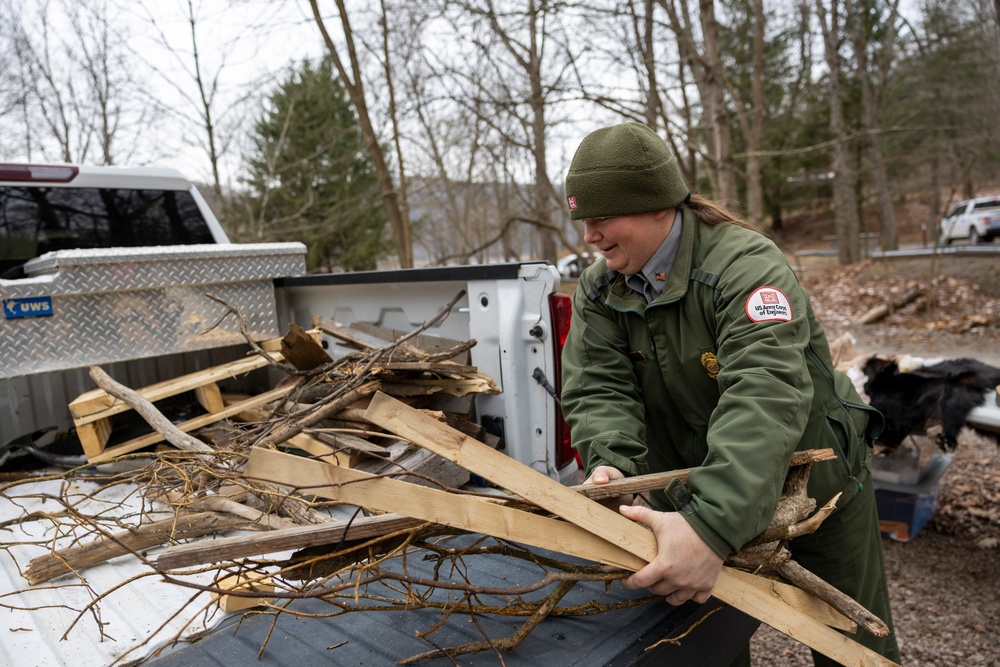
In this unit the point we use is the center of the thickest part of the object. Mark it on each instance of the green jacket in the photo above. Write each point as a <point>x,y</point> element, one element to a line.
<point>716,373</point>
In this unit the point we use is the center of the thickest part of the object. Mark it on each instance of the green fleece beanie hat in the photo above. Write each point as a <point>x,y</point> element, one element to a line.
<point>623,170</point>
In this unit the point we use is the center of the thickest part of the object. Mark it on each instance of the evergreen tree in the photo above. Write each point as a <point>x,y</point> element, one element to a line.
<point>311,179</point>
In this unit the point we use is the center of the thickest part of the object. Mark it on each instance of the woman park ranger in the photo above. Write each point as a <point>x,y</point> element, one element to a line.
<point>693,345</point>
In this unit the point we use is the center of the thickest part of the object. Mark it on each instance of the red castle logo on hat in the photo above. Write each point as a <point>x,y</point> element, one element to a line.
<point>572,202</point>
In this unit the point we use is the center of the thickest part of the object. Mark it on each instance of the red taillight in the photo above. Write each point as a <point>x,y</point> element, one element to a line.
<point>561,308</point>
<point>38,173</point>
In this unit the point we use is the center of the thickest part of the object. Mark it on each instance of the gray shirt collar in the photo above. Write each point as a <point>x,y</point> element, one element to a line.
<point>650,280</point>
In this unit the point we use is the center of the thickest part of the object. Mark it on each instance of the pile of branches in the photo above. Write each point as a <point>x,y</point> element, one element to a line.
<point>353,564</point>
<point>198,488</point>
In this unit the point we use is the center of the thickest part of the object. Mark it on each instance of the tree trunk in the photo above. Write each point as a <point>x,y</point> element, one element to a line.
<point>713,98</point>
<point>755,194</point>
<point>355,89</point>
<point>649,61</point>
<point>870,104</point>
<point>846,219</point>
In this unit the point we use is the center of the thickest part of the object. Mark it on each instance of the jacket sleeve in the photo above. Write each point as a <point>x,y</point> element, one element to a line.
<point>600,396</point>
<point>765,396</point>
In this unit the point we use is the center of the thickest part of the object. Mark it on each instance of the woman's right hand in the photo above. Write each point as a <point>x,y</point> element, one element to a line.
<point>603,475</point>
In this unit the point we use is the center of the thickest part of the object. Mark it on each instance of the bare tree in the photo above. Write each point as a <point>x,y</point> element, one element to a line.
<point>705,62</point>
<point>524,87</point>
<point>354,83</point>
<point>872,79</point>
<point>846,218</point>
<point>755,136</point>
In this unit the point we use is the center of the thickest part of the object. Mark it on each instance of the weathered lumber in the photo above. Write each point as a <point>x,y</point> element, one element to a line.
<point>420,502</point>
<point>301,349</point>
<point>482,515</point>
<point>424,345</point>
<point>244,546</point>
<point>477,383</point>
<point>361,340</point>
<point>71,559</point>
<point>427,367</point>
<point>98,404</point>
<point>601,521</point>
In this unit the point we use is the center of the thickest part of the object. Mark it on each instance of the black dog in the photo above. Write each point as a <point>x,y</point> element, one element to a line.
<point>943,393</point>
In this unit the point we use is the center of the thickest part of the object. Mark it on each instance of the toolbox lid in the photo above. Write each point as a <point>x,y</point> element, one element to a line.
<point>51,262</point>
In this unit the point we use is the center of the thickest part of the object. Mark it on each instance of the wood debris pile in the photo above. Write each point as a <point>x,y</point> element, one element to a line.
<point>369,432</point>
<point>924,309</point>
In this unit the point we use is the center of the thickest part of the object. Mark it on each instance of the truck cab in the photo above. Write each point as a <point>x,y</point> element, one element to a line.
<point>51,207</point>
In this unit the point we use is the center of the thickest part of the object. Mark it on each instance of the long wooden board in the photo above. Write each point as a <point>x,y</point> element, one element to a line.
<point>420,502</point>
<point>299,537</point>
<point>418,428</point>
<point>98,404</point>
<point>463,512</point>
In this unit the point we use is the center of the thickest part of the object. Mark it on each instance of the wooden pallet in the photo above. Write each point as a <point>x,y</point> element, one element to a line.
<point>93,410</point>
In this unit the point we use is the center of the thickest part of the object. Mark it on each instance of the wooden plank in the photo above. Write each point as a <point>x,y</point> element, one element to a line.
<point>191,424</point>
<point>348,335</point>
<point>466,513</point>
<point>547,493</point>
<point>299,537</point>
<point>94,436</point>
<point>302,350</point>
<point>421,502</point>
<point>209,397</point>
<point>97,404</point>
<point>325,452</point>
<point>244,582</point>
<point>428,367</point>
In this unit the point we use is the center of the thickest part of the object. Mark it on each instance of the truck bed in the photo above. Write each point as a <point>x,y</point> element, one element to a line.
<point>617,638</point>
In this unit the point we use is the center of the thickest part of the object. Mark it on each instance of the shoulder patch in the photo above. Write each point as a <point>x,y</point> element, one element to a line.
<point>767,304</point>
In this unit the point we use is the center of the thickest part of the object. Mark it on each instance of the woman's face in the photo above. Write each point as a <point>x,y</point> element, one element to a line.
<point>628,241</point>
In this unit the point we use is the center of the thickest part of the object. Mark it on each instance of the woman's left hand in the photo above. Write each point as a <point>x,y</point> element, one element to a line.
<point>685,567</point>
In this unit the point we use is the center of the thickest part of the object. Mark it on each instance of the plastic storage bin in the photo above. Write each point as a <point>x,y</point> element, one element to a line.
<point>905,508</point>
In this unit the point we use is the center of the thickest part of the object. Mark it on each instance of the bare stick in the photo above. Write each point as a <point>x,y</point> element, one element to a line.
<point>148,411</point>
<point>807,581</point>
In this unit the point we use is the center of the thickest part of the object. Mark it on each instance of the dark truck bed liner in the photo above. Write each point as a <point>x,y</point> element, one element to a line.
<point>616,638</point>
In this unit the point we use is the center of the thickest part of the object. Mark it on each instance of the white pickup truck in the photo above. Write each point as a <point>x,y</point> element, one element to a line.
<point>79,289</point>
<point>976,220</point>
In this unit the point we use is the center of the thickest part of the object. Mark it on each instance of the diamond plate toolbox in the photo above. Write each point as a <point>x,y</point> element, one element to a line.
<point>77,308</point>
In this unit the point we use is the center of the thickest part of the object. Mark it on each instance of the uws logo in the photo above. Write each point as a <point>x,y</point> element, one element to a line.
<point>768,304</point>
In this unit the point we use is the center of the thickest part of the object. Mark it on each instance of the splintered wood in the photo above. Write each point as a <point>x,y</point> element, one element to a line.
<point>387,429</point>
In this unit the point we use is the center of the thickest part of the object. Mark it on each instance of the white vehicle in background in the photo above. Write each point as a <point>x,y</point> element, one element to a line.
<point>977,220</point>
<point>572,265</point>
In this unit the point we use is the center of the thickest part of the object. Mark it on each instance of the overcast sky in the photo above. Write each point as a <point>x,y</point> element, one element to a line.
<point>243,45</point>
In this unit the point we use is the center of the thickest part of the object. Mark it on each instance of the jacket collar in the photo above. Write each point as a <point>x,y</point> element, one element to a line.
<point>622,297</point>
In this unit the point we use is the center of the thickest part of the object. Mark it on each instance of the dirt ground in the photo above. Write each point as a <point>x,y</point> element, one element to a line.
<point>945,582</point>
